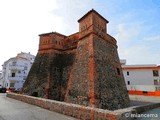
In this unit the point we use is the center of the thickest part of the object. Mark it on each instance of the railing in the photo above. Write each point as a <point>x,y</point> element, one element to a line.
<point>143,87</point>
<point>16,67</point>
<point>157,87</point>
<point>16,78</point>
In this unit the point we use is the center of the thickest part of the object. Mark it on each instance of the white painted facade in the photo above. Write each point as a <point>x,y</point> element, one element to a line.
<point>1,79</point>
<point>142,77</point>
<point>16,69</point>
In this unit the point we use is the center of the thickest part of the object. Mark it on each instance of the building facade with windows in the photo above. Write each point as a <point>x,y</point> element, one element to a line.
<point>15,70</point>
<point>1,79</point>
<point>142,79</point>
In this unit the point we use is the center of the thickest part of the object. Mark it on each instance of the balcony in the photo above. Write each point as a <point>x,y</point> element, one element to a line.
<point>151,88</point>
<point>16,67</point>
<point>157,87</point>
<point>16,78</point>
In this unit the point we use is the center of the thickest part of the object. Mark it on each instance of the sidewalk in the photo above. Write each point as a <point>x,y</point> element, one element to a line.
<point>152,99</point>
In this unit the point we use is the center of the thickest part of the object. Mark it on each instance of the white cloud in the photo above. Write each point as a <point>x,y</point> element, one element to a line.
<point>126,32</point>
<point>70,11</point>
<point>139,54</point>
<point>132,48</point>
<point>22,22</point>
<point>153,38</point>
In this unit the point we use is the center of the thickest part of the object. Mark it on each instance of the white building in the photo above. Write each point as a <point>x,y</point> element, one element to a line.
<point>142,79</point>
<point>1,79</point>
<point>15,70</point>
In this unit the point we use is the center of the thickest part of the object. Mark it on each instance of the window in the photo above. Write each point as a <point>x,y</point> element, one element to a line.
<point>13,74</point>
<point>11,84</point>
<point>155,73</point>
<point>86,26</point>
<point>118,71</point>
<point>145,92</point>
<point>25,68</point>
<point>128,73</point>
<point>35,94</point>
<point>156,82</point>
<point>14,63</point>
<point>24,77</point>
<point>128,82</point>
<point>74,43</point>
<point>157,88</point>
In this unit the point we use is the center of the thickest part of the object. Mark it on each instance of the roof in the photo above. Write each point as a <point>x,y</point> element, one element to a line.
<point>52,33</point>
<point>21,57</point>
<point>135,67</point>
<point>73,34</point>
<point>14,58</point>
<point>90,13</point>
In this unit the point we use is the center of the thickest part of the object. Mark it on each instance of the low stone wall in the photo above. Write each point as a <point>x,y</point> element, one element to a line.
<point>153,99</point>
<point>81,112</point>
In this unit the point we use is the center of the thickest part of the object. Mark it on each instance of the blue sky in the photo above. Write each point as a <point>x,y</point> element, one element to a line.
<point>134,23</point>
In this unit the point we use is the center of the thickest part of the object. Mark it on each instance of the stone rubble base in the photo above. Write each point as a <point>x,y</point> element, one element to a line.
<point>82,112</point>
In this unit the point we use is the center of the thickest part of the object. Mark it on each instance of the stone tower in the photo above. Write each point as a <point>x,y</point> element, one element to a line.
<point>83,68</point>
<point>96,78</point>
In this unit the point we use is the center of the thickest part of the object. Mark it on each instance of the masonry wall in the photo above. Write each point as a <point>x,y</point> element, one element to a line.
<point>49,75</point>
<point>82,68</point>
<point>77,91</point>
<point>97,79</point>
<point>37,77</point>
<point>109,83</point>
<point>84,113</point>
<point>61,65</point>
<point>73,110</point>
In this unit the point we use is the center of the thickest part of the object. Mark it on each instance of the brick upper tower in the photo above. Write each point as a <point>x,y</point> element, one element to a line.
<point>92,22</point>
<point>83,68</point>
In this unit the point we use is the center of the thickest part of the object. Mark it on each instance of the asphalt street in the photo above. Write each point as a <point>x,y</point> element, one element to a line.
<point>11,109</point>
<point>153,114</point>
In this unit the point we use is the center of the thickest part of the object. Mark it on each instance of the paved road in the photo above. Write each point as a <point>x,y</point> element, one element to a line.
<point>153,114</point>
<point>11,109</point>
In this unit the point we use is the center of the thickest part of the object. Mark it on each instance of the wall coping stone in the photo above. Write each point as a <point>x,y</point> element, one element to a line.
<point>82,112</point>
